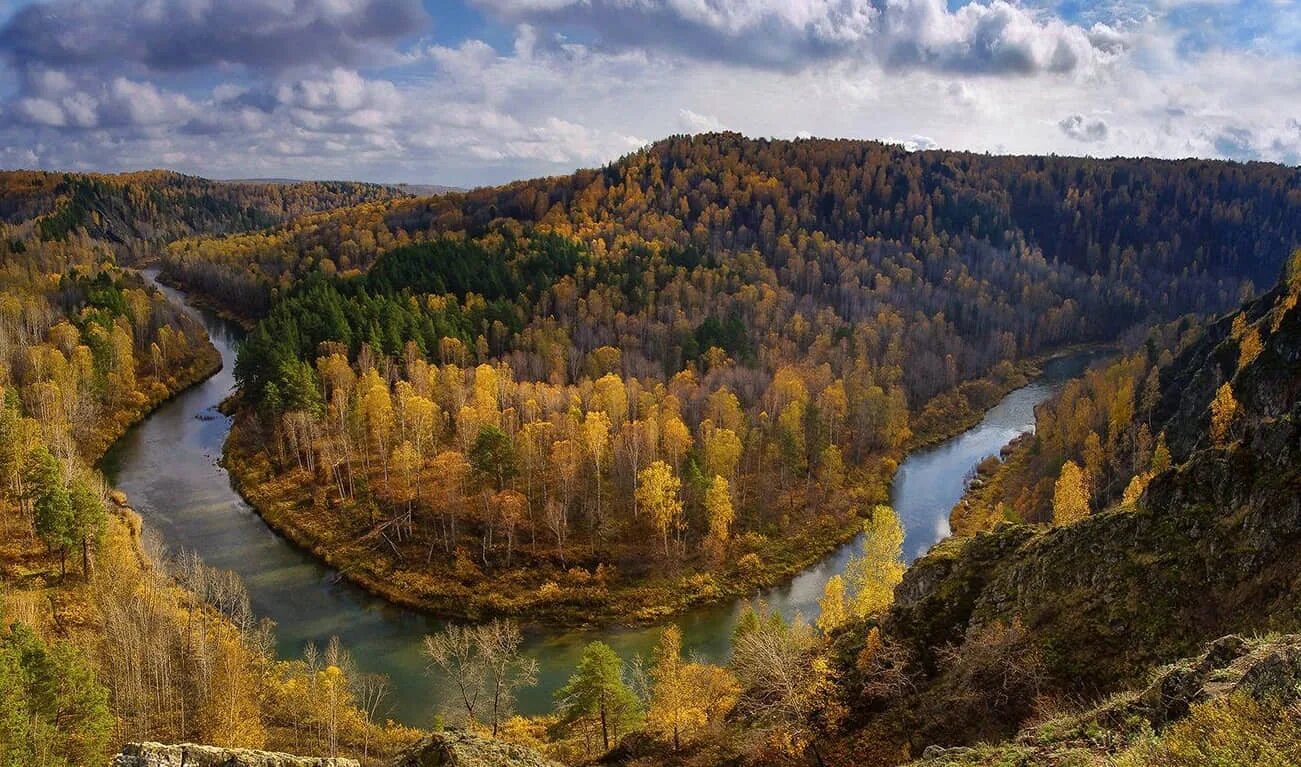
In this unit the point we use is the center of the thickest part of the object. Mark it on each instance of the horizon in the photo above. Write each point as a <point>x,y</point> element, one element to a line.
<point>447,187</point>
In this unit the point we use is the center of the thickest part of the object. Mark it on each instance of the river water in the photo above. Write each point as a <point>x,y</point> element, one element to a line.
<point>168,466</point>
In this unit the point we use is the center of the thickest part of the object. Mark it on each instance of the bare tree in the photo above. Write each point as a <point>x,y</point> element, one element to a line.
<point>485,665</point>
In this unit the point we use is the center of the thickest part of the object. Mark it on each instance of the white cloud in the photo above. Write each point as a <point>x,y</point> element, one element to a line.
<point>41,111</point>
<point>982,36</point>
<point>471,113</point>
<point>694,122</point>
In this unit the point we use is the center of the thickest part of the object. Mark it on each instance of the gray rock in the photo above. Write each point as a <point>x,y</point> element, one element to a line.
<point>191,755</point>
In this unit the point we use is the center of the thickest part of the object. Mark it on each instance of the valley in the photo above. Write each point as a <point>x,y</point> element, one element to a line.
<point>174,453</point>
<point>655,464</point>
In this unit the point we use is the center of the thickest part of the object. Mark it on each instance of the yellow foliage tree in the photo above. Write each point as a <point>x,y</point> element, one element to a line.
<point>1160,455</point>
<point>832,612</point>
<point>1134,490</point>
<point>686,697</point>
<point>1249,347</point>
<point>718,510</point>
<point>1070,495</point>
<point>873,575</point>
<point>1224,408</point>
<point>657,494</point>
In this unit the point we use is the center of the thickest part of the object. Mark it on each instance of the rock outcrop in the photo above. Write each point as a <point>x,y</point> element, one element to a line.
<point>1211,549</point>
<point>191,755</point>
<point>1267,671</point>
<point>456,748</point>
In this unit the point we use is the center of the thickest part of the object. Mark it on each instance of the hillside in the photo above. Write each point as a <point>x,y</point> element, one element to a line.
<point>133,209</point>
<point>688,374</point>
<point>987,628</point>
<point>941,228</point>
<point>1235,703</point>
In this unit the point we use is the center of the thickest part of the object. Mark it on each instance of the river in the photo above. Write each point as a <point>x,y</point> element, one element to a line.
<point>169,467</point>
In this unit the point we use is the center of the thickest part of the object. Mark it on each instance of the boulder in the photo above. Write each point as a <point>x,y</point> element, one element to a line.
<point>457,748</point>
<point>191,755</point>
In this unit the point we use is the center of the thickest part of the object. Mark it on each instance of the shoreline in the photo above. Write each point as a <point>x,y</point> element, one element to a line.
<point>293,520</point>
<point>453,606</point>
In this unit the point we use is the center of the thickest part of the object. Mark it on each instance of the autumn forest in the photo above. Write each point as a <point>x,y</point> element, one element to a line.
<point>603,400</point>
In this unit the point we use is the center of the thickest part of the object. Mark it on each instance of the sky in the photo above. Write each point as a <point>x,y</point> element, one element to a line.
<point>472,92</point>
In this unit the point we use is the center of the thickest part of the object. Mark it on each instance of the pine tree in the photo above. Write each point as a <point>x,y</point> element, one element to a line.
<point>62,714</point>
<point>597,694</point>
<point>89,519</point>
<point>51,504</point>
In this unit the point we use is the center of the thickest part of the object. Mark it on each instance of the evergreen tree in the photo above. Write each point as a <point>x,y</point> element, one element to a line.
<point>597,695</point>
<point>54,711</point>
<point>88,519</point>
<point>51,504</point>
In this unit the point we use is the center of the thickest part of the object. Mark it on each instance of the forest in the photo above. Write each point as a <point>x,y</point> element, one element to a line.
<point>681,376</point>
<point>610,396</point>
<point>137,212</point>
<point>105,635</point>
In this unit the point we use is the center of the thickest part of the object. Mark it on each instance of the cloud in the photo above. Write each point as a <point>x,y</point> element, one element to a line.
<point>1082,129</point>
<point>122,103</point>
<point>994,37</point>
<point>570,90</point>
<point>185,35</point>
<point>694,122</point>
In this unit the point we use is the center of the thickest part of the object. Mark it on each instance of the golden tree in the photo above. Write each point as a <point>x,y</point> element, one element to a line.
<point>686,697</point>
<point>878,569</point>
<point>1224,409</point>
<point>1070,495</point>
<point>831,608</point>
<point>657,494</point>
<point>672,709</point>
<point>718,510</point>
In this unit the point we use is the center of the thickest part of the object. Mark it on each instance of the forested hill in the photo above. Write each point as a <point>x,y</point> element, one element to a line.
<point>747,330</point>
<point>154,206</point>
<point>1178,235</point>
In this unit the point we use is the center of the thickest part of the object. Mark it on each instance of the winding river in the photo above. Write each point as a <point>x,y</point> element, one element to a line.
<point>168,466</point>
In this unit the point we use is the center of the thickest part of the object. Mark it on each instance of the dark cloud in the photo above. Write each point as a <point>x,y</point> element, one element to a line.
<point>181,35</point>
<point>993,37</point>
<point>1082,129</point>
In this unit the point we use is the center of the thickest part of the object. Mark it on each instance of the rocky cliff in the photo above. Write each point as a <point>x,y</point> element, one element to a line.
<point>1086,609</point>
<point>1264,672</point>
<point>451,748</point>
<point>455,748</point>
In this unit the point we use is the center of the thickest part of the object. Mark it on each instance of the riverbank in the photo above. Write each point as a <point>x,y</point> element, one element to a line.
<point>584,593</point>
<point>952,412</point>
<point>200,300</point>
<point>167,467</point>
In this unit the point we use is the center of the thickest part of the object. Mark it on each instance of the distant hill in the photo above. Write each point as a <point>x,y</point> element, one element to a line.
<point>130,209</point>
<point>416,190</point>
